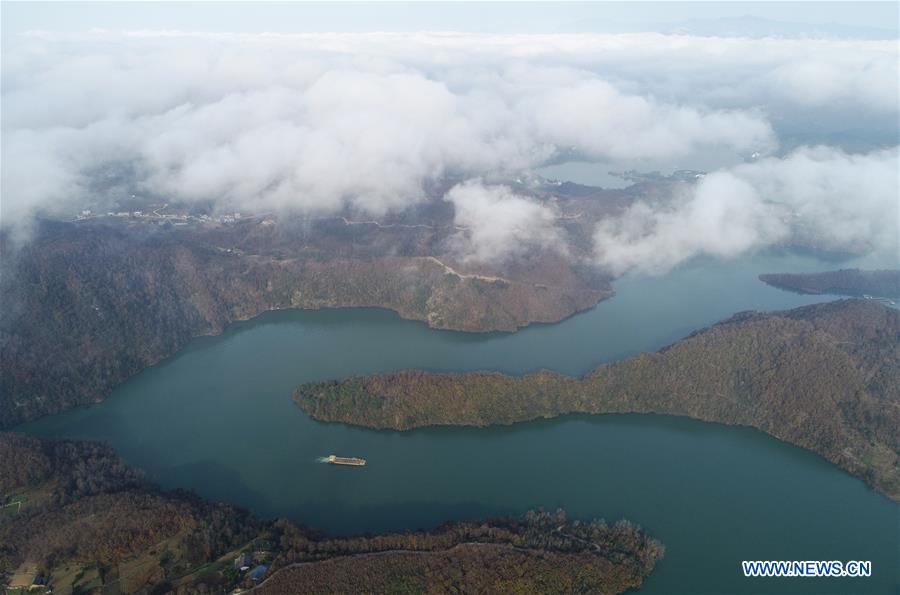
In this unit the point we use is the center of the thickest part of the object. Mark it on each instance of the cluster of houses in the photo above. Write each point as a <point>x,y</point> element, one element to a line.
<point>231,218</point>
<point>173,218</point>
<point>245,561</point>
<point>158,216</point>
<point>39,583</point>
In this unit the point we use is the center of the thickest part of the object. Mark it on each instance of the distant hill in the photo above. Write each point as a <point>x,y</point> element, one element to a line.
<point>759,27</point>
<point>750,26</point>
<point>825,377</point>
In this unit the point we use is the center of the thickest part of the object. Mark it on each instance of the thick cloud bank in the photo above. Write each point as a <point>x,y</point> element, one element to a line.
<point>268,123</point>
<point>818,196</point>
<point>320,122</point>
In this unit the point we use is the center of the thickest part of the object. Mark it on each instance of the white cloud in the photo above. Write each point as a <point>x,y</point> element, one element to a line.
<point>870,84</point>
<point>818,196</point>
<point>603,123</point>
<point>499,224</point>
<point>316,122</point>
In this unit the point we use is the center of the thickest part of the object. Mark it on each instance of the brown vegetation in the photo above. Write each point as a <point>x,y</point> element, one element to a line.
<point>466,568</point>
<point>84,507</point>
<point>536,553</point>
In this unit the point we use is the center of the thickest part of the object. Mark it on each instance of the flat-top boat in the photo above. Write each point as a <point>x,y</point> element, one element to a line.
<point>336,460</point>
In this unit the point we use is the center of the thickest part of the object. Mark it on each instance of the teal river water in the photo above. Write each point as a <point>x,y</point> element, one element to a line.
<point>218,418</point>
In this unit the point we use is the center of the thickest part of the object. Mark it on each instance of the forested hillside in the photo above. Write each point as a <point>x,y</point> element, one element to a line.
<point>87,305</point>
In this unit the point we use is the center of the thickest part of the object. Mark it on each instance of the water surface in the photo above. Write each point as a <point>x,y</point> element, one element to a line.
<point>218,418</point>
<point>597,173</point>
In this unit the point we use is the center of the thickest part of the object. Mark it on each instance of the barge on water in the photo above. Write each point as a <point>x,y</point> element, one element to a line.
<point>336,460</point>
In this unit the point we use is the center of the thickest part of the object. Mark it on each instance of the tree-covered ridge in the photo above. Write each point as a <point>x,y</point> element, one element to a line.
<point>825,377</point>
<point>852,282</point>
<point>76,513</point>
<point>537,553</point>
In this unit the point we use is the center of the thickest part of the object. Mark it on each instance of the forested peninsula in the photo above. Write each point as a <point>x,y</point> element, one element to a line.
<point>75,518</point>
<point>825,377</point>
<point>851,282</point>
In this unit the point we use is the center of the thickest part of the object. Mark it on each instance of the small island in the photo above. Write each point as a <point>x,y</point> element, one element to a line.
<point>883,283</point>
<point>75,518</point>
<point>825,377</point>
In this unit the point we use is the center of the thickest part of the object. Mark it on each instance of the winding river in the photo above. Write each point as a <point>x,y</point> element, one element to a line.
<point>218,418</point>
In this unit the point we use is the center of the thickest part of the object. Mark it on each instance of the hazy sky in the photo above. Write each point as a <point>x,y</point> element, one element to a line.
<point>495,17</point>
